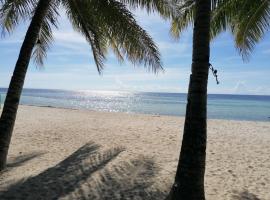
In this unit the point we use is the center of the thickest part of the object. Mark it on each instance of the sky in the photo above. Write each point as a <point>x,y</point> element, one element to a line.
<point>70,65</point>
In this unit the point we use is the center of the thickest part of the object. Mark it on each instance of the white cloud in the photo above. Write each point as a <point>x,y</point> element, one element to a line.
<point>69,37</point>
<point>240,88</point>
<point>173,48</point>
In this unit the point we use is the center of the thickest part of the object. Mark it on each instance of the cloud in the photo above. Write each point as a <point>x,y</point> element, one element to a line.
<point>172,48</point>
<point>240,88</point>
<point>243,88</point>
<point>69,37</point>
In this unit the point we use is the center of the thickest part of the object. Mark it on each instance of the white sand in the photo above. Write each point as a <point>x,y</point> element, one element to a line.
<point>238,156</point>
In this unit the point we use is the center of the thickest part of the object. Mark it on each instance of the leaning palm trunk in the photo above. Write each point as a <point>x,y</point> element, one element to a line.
<point>10,108</point>
<point>189,180</point>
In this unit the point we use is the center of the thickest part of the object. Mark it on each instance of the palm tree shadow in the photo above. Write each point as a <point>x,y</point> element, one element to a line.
<point>85,175</point>
<point>244,195</point>
<point>133,180</point>
<point>63,178</point>
<point>22,159</point>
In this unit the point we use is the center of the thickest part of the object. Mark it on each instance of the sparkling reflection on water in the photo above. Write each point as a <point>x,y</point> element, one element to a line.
<point>241,107</point>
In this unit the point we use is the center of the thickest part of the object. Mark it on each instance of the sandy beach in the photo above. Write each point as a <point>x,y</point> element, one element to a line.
<point>77,154</point>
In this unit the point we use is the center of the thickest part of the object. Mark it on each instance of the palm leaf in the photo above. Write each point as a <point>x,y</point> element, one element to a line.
<point>110,24</point>
<point>184,17</point>
<point>132,41</point>
<point>253,22</point>
<point>45,34</point>
<point>80,17</point>
<point>12,11</point>
<point>247,20</point>
<point>166,8</point>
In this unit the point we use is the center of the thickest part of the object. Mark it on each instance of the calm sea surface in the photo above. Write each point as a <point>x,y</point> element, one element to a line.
<point>240,107</point>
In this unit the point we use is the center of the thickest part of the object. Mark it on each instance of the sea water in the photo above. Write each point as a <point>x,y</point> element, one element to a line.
<point>220,106</point>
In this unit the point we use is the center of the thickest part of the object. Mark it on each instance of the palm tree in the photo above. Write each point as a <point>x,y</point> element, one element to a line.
<point>103,23</point>
<point>247,20</point>
<point>189,179</point>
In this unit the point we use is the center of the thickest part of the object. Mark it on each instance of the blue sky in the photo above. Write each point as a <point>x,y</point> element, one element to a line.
<point>70,64</point>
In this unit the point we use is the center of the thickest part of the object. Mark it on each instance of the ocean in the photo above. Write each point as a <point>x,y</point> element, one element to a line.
<point>220,106</point>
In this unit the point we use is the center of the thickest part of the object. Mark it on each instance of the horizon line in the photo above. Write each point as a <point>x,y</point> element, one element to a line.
<point>84,90</point>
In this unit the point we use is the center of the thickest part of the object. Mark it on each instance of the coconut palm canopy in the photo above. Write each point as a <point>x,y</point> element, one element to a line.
<point>247,20</point>
<point>104,24</point>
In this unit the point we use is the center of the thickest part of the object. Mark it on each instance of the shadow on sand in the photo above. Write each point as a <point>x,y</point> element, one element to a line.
<point>85,175</point>
<point>245,195</point>
<point>22,159</point>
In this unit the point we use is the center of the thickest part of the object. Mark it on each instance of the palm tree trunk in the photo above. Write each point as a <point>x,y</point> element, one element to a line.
<point>189,180</point>
<point>9,112</point>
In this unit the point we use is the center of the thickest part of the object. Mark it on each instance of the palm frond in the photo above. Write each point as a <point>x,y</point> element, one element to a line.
<point>45,35</point>
<point>184,17</point>
<point>116,49</point>
<point>166,8</point>
<point>252,25</point>
<point>247,20</point>
<point>219,19</point>
<point>81,19</point>
<point>43,44</point>
<point>12,11</point>
<point>110,24</point>
<point>132,40</point>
